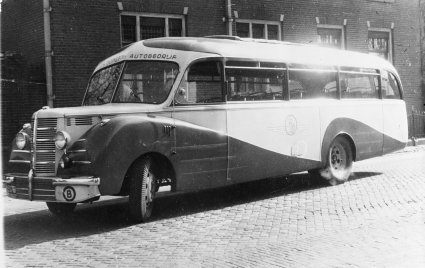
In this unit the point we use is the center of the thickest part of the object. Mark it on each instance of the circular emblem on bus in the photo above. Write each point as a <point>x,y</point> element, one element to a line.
<point>69,193</point>
<point>290,125</point>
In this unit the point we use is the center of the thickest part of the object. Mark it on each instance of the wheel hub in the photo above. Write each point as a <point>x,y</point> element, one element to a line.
<point>149,187</point>
<point>337,157</point>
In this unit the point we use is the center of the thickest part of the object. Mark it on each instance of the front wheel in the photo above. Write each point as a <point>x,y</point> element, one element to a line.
<point>61,209</point>
<point>142,189</point>
<point>339,162</point>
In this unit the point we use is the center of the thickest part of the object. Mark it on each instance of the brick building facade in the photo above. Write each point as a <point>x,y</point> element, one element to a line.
<point>85,32</point>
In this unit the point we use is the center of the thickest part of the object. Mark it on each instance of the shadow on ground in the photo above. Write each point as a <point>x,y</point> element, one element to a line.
<point>104,216</point>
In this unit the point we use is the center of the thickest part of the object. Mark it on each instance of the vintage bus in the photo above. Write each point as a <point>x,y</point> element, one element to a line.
<point>175,115</point>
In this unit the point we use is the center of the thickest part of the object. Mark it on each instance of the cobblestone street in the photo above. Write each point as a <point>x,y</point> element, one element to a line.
<point>377,219</point>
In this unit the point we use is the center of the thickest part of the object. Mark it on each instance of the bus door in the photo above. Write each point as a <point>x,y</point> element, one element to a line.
<point>268,136</point>
<point>394,114</point>
<point>200,128</point>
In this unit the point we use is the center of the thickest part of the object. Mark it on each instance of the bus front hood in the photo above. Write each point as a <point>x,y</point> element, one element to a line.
<point>110,109</point>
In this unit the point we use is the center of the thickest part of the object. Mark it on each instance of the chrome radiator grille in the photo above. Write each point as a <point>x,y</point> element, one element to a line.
<point>44,147</point>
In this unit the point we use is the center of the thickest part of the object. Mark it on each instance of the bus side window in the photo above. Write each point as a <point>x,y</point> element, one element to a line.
<point>309,83</point>
<point>201,83</point>
<point>254,84</point>
<point>390,87</point>
<point>359,85</point>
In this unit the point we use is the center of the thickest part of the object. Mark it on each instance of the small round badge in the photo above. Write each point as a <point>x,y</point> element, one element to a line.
<point>69,193</point>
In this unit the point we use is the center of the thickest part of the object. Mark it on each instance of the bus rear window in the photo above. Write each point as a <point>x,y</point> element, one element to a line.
<point>390,86</point>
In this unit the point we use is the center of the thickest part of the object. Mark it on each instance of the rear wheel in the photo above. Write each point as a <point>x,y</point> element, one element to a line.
<point>61,209</point>
<point>339,162</point>
<point>142,189</point>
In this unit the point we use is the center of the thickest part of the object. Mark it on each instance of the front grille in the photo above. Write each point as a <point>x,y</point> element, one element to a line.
<point>47,122</point>
<point>42,189</point>
<point>45,146</point>
<point>79,121</point>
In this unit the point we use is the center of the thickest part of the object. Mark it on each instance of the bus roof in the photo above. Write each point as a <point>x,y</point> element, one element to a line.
<point>263,50</point>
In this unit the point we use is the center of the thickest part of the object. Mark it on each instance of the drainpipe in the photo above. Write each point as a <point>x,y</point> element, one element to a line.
<point>229,19</point>
<point>48,52</point>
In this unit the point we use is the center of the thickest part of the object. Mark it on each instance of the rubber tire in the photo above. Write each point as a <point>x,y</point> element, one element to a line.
<point>61,209</point>
<point>139,205</point>
<point>338,172</point>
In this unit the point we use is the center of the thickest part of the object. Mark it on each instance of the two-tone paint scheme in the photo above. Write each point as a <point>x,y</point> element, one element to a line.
<point>207,145</point>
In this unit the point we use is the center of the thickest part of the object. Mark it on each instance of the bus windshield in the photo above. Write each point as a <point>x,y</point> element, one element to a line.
<point>102,85</point>
<point>141,82</point>
<point>146,82</point>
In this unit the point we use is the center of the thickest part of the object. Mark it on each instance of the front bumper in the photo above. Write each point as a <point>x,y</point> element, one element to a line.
<point>51,189</point>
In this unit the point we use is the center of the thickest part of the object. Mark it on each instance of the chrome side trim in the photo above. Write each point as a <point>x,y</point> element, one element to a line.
<point>77,151</point>
<point>84,181</point>
<point>21,151</point>
<point>82,162</point>
<point>46,128</point>
<point>20,161</point>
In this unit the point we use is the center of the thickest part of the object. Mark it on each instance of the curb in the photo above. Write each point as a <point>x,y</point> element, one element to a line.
<point>416,141</point>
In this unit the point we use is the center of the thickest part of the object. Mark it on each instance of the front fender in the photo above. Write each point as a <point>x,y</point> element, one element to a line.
<point>113,147</point>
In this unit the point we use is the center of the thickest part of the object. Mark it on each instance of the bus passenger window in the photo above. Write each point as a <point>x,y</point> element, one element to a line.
<point>308,83</point>
<point>254,84</point>
<point>359,85</point>
<point>390,88</point>
<point>201,84</point>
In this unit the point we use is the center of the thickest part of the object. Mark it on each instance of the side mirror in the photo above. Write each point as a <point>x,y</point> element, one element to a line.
<point>180,97</point>
<point>181,92</point>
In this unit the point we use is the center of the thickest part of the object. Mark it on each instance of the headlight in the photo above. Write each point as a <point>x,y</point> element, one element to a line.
<point>22,139</point>
<point>61,139</point>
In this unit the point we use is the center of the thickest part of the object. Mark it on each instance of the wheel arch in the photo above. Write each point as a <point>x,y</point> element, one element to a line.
<point>162,164</point>
<point>328,140</point>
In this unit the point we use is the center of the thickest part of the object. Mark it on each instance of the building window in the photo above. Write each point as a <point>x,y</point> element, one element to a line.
<point>145,26</point>
<point>379,43</point>
<point>270,30</point>
<point>152,27</point>
<point>128,30</point>
<point>330,35</point>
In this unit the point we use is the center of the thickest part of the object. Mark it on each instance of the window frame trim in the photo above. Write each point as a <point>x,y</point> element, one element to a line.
<point>264,23</point>
<point>333,27</point>
<point>165,16</point>
<point>390,40</point>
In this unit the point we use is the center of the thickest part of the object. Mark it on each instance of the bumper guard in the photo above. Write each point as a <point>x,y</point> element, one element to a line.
<point>73,190</point>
